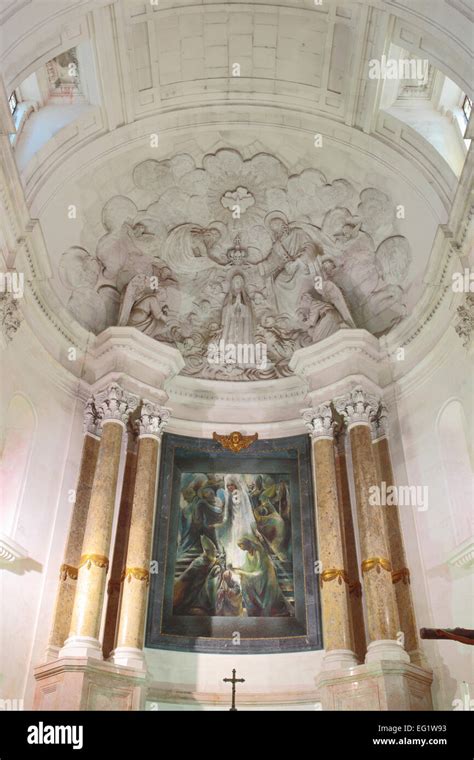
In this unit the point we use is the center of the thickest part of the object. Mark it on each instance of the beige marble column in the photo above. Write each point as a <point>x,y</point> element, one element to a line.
<point>357,408</point>
<point>350,547</point>
<point>136,575</point>
<point>69,569</point>
<point>114,584</point>
<point>334,579</point>
<point>400,571</point>
<point>114,405</point>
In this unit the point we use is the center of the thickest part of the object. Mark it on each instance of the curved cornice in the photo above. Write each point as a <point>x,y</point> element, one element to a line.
<point>434,184</point>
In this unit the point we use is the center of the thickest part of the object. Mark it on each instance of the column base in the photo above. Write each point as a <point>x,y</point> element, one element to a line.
<point>130,657</point>
<point>73,683</point>
<point>384,685</point>
<point>81,646</point>
<point>339,659</point>
<point>417,657</point>
<point>386,649</point>
<point>51,653</point>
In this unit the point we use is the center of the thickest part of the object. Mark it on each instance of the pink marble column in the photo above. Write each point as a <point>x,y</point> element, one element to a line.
<point>391,514</point>
<point>334,578</point>
<point>136,574</point>
<point>114,405</point>
<point>357,408</point>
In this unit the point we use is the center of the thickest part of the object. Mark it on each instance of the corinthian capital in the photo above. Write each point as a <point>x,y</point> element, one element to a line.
<point>91,422</point>
<point>378,423</point>
<point>357,407</point>
<point>115,403</point>
<point>319,421</point>
<point>153,419</point>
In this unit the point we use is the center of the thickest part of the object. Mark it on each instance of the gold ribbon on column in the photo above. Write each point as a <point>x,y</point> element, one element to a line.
<point>139,573</point>
<point>94,559</point>
<point>401,575</point>
<point>332,573</point>
<point>377,562</point>
<point>355,588</point>
<point>66,571</point>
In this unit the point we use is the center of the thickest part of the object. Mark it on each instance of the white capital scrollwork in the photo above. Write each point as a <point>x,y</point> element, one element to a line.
<point>319,421</point>
<point>91,422</point>
<point>465,320</point>
<point>357,407</point>
<point>115,403</point>
<point>10,316</point>
<point>153,419</point>
<point>378,423</point>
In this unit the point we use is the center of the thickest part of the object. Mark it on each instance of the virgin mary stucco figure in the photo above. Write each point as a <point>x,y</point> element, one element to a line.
<point>237,318</point>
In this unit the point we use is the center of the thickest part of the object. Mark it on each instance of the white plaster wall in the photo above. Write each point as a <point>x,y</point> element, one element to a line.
<point>28,588</point>
<point>443,594</point>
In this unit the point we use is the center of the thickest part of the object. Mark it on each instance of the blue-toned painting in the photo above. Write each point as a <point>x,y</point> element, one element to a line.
<point>234,548</point>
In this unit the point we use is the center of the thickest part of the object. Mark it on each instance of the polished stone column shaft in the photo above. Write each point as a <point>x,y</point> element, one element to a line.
<point>357,408</point>
<point>114,405</point>
<point>136,575</point>
<point>350,550</point>
<point>334,579</point>
<point>114,585</point>
<point>400,571</point>
<point>69,569</point>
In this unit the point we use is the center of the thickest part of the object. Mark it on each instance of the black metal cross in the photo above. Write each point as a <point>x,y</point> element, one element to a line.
<point>233,681</point>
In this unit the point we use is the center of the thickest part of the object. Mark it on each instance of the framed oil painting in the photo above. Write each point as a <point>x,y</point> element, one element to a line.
<point>234,546</point>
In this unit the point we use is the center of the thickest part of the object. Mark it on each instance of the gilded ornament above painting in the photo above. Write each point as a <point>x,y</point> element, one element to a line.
<point>240,252</point>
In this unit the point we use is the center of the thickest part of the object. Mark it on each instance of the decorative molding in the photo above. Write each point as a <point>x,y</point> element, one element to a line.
<point>401,575</point>
<point>465,320</point>
<point>332,573</point>
<point>68,571</point>
<point>153,419</point>
<point>319,421</point>
<point>139,573</point>
<point>92,419</point>
<point>10,550</point>
<point>10,316</point>
<point>377,562</point>
<point>94,559</point>
<point>355,588</point>
<point>379,423</point>
<point>115,403</point>
<point>357,407</point>
<point>235,441</point>
<point>463,555</point>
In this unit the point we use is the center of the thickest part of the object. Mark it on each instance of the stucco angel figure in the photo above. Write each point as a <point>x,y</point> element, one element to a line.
<point>190,249</point>
<point>324,314</point>
<point>143,307</point>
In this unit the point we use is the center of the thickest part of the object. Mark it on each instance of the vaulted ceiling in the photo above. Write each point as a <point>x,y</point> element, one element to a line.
<point>286,79</point>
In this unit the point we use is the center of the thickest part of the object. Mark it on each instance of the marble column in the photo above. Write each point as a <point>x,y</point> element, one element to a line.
<point>350,546</point>
<point>400,571</point>
<point>357,408</point>
<point>114,405</point>
<point>114,584</point>
<point>69,569</point>
<point>136,575</point>
<point>334,579</point>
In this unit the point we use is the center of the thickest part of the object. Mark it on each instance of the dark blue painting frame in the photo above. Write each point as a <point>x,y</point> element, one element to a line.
<point>301,632</point>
